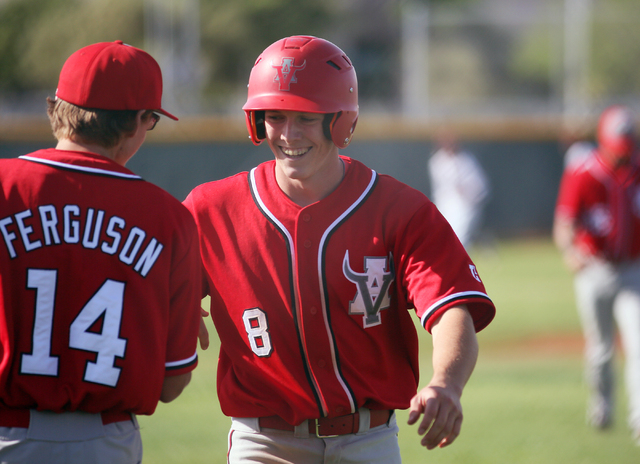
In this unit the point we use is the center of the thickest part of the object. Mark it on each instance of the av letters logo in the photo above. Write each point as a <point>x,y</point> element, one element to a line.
<point>373,287</point>
<point>286,73</point>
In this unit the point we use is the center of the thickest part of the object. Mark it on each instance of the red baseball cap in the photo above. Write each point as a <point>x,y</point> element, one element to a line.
<point>112,76</point>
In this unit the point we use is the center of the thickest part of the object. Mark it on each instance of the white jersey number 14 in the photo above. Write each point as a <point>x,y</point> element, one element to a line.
<point>106,303</point>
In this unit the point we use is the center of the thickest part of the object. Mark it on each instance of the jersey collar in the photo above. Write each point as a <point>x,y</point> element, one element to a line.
<point>90,163</point>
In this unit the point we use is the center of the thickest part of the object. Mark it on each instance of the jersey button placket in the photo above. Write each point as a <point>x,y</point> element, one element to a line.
<point>317,340</point>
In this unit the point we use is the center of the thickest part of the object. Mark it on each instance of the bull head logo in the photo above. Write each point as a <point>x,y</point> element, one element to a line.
<point>373,287</point>
<point>286,73</point>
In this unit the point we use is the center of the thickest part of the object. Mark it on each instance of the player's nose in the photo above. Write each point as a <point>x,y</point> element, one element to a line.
<point>290,130</point>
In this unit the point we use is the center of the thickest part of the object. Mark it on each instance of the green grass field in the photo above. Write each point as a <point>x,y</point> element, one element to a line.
<point>525,403</point>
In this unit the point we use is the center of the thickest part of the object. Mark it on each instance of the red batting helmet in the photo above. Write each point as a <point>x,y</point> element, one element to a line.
<point>307,74</point>
<point>616,131</point>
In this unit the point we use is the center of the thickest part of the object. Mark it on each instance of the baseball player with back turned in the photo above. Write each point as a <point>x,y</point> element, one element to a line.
<point>597,229</point>
<point>99,273</point>
<point>314,262</point>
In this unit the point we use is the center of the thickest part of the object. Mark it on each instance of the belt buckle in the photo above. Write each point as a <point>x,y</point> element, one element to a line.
<point>318,431</point>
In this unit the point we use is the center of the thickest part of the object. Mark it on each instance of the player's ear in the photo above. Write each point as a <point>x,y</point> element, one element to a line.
<point>139,123</point>
<point>140,117</point>
<point>142,121</point>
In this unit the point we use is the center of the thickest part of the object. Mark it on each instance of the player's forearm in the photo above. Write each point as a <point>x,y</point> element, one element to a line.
<point>173,386</point>
<point>563,236</point>
<point>563,233</point>
<point>455,349</point>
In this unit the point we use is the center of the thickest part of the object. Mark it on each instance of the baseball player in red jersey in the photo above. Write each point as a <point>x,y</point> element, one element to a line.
<point>100,283</point>
<point>313,264</point>
<point>597,229</point>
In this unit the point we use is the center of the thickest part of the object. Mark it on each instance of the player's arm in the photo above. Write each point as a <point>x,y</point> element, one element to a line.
<point>455,351</point>
<point>564,231</point>
<point>173,386</point>
<point>565,223</point>
<point>203,332</point>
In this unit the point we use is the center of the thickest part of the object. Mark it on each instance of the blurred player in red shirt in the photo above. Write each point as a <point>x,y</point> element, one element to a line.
<point>100,273</point>
<point>314,263</point>
<point>597,229</point>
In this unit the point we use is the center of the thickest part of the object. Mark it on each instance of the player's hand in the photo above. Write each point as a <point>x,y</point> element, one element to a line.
<point>441,415</point>
<point>576,259</point>
<point>203,333</point>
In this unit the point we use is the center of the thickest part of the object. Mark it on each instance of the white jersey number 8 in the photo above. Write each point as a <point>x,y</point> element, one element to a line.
<point>257,327</point>
<point>108,345</point>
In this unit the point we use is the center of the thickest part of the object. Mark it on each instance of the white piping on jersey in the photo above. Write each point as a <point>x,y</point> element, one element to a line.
<point>80,168</point>
<point>455,296</point>
<point>284,230</point>
<point>322,286</point>
<point>183,362</point>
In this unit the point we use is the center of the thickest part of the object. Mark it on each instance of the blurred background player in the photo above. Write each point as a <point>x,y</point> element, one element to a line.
<point>459,187</point>
<point>100,283</point>
<point>597,229</point>
<point>314,262</point>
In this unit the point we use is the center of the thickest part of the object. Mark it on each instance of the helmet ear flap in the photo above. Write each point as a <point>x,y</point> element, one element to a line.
<point>327,124</point>
<point>342,126</point>
<point>256,127</point>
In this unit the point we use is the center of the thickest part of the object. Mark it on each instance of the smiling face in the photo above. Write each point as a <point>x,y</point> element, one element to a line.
<point>307,163</point>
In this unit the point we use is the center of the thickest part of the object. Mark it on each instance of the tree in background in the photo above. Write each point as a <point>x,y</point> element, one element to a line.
<point>474,56</point>
<point>37,35</point>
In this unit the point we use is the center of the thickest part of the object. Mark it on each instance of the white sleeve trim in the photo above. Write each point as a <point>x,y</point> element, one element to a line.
<point>455,296</point>
<point>182,362</point>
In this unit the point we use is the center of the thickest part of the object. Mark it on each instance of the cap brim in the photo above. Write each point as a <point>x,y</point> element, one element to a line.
<point>166,113</point>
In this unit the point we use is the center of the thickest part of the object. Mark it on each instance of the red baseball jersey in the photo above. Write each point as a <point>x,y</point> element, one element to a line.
<point>100,285</point>
<point>605,207</point>
<point>312,304</point>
